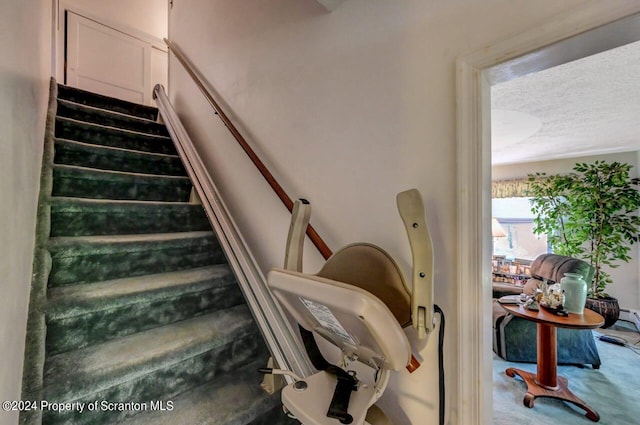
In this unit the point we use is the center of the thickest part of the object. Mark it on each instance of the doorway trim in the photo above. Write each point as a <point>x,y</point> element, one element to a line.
<point>524,53</point>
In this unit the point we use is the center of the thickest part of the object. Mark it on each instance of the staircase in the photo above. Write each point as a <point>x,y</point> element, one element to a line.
<point>143,315</point>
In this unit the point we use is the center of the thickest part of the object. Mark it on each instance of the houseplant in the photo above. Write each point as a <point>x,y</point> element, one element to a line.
<point>590,214</point>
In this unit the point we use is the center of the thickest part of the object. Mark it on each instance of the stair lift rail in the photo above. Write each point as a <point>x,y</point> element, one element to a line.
<point>278,334</point>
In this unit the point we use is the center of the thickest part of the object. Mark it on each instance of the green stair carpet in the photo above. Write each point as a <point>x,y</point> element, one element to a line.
<point>133,305</point>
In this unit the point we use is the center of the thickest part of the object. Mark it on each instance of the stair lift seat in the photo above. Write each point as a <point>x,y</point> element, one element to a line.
<point>353,320</point>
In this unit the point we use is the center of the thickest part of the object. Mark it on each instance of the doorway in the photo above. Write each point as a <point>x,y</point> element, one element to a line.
<point>106,57</point>
<point>564,40</point>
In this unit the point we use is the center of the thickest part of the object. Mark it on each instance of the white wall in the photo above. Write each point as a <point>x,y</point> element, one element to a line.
<point>25,46</point>
<point>347,109</point>
<point>626,277</point>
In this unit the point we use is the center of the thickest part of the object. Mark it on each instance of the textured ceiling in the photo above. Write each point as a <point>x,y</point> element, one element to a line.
<point>587,107</point>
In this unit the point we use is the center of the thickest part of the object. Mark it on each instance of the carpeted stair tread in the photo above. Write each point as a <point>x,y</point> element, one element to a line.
<point>97,134</point>
<point>105,102</point>
<point>81,216</point>
<point>70,152</point>
<point>83,182</point>
<point>86,259</point>
<point>74,300</point>
<point>79,374</point>
<point>162,383</point>
<point>122,359</point>
<point>83,315</point>
<point>85,113</point>
<point>55,243</point>
<point>211,404</point>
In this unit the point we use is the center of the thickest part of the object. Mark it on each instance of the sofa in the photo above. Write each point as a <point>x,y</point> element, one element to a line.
<point>501,289</point>
<point>514,339</point>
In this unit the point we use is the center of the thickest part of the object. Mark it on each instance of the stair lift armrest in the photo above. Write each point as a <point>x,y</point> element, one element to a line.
<point>411,210</point>
<point>300,216</point>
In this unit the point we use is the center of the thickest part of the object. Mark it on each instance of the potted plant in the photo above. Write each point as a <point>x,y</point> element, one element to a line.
<point>590,214</point>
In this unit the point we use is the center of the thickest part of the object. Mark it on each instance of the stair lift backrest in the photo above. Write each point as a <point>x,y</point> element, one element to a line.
<point>349,317</point>
<point>370,268</point>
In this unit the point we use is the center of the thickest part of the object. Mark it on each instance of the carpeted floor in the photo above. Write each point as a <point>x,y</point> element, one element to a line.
<point>613,390</point>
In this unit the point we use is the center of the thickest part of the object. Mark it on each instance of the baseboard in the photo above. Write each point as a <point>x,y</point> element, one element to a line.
<point>632,316</point>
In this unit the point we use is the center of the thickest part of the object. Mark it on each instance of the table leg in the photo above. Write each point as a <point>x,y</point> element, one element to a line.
<point>546,382</point>
<point>547,356</point>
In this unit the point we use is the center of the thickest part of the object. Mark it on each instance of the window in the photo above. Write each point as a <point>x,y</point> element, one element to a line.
<point>515,217</point>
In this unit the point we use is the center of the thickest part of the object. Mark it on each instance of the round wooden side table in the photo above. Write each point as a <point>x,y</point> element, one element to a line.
<point>546,382</point>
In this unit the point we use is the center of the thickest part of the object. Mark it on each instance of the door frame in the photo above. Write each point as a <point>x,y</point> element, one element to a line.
<point>577,33</point>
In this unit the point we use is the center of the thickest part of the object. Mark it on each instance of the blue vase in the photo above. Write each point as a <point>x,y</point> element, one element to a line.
<point>575,292</point>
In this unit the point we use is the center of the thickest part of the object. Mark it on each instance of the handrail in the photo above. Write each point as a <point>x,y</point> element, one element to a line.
<point>277,331</point>
<point>319,243</point>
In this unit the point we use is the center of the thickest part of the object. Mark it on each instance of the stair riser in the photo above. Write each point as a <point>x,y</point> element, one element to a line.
<point>80,113</point>
<point>92,134</point>
<point>103,102</point>
<point>166,383</point>
<point>98,262</point>
<point>127,220</point>
<point>116,160</point>
<point>96,327</point>
<point>88,184</point>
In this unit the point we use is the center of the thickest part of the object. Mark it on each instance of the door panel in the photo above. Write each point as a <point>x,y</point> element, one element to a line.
<point>110,62</point>
<point>107,89</point>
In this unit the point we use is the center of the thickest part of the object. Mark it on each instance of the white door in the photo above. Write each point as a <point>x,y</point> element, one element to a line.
<point>111,62</point>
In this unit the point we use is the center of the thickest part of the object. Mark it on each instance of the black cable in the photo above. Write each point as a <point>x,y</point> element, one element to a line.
<point>438,310</point>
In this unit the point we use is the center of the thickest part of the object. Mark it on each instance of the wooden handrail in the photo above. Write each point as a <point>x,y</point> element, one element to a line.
<point>280,192</point>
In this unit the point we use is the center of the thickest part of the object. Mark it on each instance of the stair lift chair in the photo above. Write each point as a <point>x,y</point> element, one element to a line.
<point>358,302</point>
